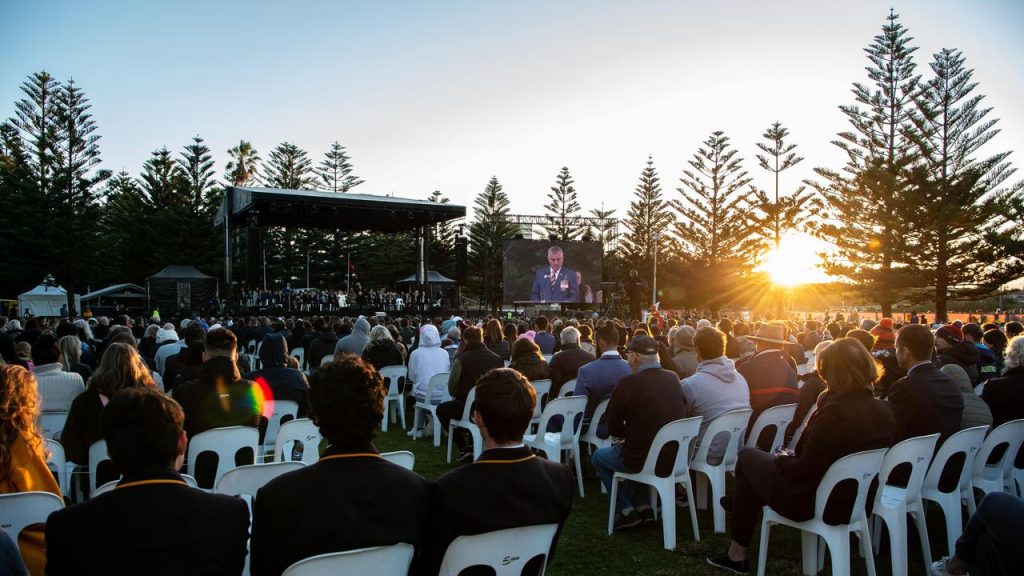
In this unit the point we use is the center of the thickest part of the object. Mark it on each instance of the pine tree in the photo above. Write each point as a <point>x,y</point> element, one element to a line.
<point>199,186</point>
<point>74,203</point>
<point>607,234</point>
<point>563,209</point>
<point>648,214</point>
<point>167,212</point>
<point>966,240</point>
<point>335,170</point>
<point>289,167</point>
<point>36,119</point>
<point>487,235</point>
<point>20,206</point>
<point>125,226</point>
<point>778,213</point>
<point>442,242</point>
<point>867,200</point>
<point>244,166</point>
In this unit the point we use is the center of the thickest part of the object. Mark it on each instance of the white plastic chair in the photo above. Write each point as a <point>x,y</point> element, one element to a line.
<point>395,400</point>
<point>548,357</point>
<point>51,424</point>
<point>303,431</point>
<point>590,436</point>
<point>110,486</point>
<point>567,389</point>
<point>966,442</point>
<point>565,440</point>
<point>247,480</point>
<point>683,432</point>
<point>1017,478</point>
<point>997,477</point>
<point>438,383</point>
<point>893,503</point>
<point>861,467</point>
<point>467,422</point>
<point>403,458</point>
<point>731,424</point>
<point>327,359</point>
<point>281,409</point>
<point>504,551</point>
<point>23,509</point>
<point>300,355</point>
<point>391,560</point>
<point>159,380</point>
<point>254,362</point>
<point>250,346</point>
<point>778,416</point>
<point>800,429</point>
<point>543,390</point>
<point>225,442</point>
<point>97,455</point>
<point>58,463</point>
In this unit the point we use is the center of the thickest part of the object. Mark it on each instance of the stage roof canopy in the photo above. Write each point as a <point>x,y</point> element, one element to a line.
<point>332,210</point>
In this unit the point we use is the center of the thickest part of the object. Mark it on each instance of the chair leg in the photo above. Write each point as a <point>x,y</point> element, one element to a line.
<point>612,503</point>
<point>400,408</point>
<point>652,495</point>
<point>971,505</point>
<point>667,493</point>
<point>703,479</point>
<point>717,491</point>
<point>579,468</point>
<point>839,549</point>
<point>387,411</point>
<point>897,544</point>
<point>810,555</point>
<point>693,509</point>
<point>415,421</point>
<point>437,429</point>
<point>762,552</point>
<point>954,522</point>
<point>876,530</point>
<point>451,430</point>
<point>868,552</point>
<point>917,513</point>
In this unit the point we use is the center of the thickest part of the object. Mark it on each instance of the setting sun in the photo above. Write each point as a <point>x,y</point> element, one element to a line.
<point>796,261</point>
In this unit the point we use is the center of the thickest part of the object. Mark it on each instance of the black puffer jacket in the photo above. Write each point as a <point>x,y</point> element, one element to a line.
<point>965,354</point>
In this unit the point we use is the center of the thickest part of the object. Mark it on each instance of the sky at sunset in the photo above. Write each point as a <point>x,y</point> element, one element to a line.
<point>443,95</point>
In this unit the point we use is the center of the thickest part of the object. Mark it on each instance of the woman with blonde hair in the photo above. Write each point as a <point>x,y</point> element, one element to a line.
<point>71,357</point>
<point>23,454</point>
<point>121,367</point>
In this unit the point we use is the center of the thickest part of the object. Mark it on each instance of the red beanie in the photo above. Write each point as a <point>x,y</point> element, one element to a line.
<point>950,333</point>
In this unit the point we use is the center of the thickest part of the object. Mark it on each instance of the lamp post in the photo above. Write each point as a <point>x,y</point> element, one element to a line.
<point>654,281</point>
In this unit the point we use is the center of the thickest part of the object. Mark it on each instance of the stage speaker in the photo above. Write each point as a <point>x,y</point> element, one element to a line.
<point>461,244</point>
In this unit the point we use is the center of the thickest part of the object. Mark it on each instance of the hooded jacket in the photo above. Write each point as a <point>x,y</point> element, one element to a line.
<point>357,340</point>
<point>427,360</point>
<point>964,354</point>
<point>284,383</point>
<point>714,389</point>
<point>976,412</point>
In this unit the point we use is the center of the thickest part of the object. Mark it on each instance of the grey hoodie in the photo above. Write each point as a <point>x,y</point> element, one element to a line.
<point>716,388</point>
<point>357,340</point>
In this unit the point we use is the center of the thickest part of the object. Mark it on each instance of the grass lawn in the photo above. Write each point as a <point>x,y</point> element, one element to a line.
<point>585,547</point>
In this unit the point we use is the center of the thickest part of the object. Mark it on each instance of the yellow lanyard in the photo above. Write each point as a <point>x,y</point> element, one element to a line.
<point>145,482</point>
<point>354,455</point>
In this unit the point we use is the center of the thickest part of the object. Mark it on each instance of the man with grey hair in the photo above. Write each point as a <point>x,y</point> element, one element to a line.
<point>686,354</point>
<point>555,283</point>
<point>566,363</point>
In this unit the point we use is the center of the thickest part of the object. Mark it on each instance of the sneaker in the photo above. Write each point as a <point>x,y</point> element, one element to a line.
<point>627,521</point>
<point>647,516</point>
<point>723,561</point>
<point>465,456</point>
<point>939,568</point>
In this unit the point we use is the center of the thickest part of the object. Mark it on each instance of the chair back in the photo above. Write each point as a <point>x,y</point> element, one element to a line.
<point>1009,434</point>
<point>732,424</point>
<point>861,467</point>
<point>571,409</point>
<point>590,435</point>
<point>327,359</point>
<point>254,362</point>
<point>23,509</point>
<point>57,463</point>
<point>800,429</point>
<point>966,442</point>
<point>247,480</point>
<point>778,416</point>
<point>683,432</point>
<point>917,452</point>
<point>403,458</point>
<point>543,389</point>
<point>51,424</point>
<point>225,443</point>
<point>567,389</point>
<point>300,355</point>
<point>394,377</point>
<point>301,430</point>
<point>506,552</point>
<point>391,560</point>
<point>97,457</point>
<point>281,411</point>
<point>467,410</point>
<point>438,386</point>
<point>159,380</point>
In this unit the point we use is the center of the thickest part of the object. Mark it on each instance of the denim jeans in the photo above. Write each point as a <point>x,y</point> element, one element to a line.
<point>607,461</point>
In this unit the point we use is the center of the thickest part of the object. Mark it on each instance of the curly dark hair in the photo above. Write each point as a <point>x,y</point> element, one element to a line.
<point>347,401</point>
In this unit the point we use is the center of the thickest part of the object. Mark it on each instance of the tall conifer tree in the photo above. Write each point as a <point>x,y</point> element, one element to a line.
<point>487,234</point>
<point>335,171</point>
<point>776,211</point>
<point>649,214</point>
<point>289,166</point>
<point>563,209</point>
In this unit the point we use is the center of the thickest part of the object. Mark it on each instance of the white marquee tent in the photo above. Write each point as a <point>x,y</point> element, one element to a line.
<point>45,300</point>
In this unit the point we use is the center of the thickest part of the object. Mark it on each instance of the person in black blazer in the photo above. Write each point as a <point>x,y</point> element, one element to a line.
<point>351,498</point>
<point>566,363</point>
<point>926,400</point>
<point>508,487</point>
<point>852,421</point>
<point>152,523</point>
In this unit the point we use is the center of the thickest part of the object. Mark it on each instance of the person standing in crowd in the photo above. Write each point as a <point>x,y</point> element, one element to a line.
<point>336,504</point>
<point>23,454</point>
<point>162,525</point>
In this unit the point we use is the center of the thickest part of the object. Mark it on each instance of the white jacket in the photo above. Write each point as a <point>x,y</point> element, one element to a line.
<point>427,360</point>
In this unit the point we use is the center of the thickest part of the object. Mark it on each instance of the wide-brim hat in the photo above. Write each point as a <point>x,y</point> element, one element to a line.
<point>772,333</point>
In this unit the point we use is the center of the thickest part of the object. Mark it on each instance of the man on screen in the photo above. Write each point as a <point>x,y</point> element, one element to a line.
<point>555,283</point>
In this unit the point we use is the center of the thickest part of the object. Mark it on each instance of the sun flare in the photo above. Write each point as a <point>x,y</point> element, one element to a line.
<point>796,262</point>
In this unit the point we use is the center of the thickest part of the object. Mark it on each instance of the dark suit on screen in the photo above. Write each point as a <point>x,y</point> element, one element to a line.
<point>160,526</point>
<point>566,286</point>
<point>505,488</point>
